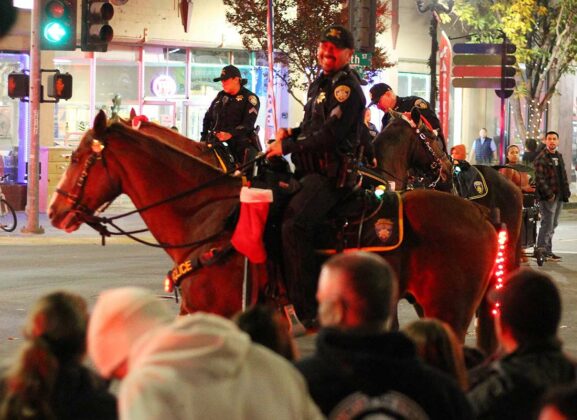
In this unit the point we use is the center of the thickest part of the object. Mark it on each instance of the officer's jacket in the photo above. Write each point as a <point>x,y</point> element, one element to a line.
<point>333,117</point>
<point>235,114</point>
<point>406,104</point>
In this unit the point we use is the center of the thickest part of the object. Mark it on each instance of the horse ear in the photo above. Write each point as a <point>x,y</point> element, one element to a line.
<point>99,126</point>
<point>132,113</point>
<point>416,116</point>
<point>395,114</point>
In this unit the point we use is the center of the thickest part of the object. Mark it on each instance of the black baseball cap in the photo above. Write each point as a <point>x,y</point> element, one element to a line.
<point>377,91</point>
<point>228,72</point>
<point>338,35</point>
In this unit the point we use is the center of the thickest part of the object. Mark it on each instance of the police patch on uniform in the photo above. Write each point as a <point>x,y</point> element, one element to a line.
<point>252,99</point>
<point>342,93</point>
<point>320,98</point>
<point>384,229</point>
<point>478,186</point>
<point>421,104</point>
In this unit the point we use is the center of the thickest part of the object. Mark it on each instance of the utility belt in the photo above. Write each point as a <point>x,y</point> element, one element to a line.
<point>343,168</point>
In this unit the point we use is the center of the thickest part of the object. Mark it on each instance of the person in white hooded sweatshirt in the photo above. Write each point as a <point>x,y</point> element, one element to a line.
<point>199,366</point>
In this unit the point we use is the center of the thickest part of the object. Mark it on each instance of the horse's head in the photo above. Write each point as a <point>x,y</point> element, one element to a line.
<point>408,143</point>
<point>87,184</point>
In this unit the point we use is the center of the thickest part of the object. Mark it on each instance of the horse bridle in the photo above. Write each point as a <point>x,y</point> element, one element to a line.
<point>436,165</point>
<point>75,197</point>
<point>98,223</point>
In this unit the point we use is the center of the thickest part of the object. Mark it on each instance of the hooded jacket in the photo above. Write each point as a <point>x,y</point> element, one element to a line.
<point>353,372</point>
<point>202,367</point>
<point>510,388</point>
<point>199,366</point>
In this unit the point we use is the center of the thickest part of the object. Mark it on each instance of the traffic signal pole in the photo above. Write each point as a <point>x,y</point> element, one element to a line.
<point>32,220</point>
<point>502,145</point>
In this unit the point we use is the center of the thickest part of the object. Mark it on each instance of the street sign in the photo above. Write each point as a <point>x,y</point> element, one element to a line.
<point>483,48</point>
<point>361,59</point>
<point>484,66</point>
<point>483,71</point>
<point>483,83</point>
<point>481,59</point>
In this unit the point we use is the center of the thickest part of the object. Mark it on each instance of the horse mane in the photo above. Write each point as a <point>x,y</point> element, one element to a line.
<point>182,145</point>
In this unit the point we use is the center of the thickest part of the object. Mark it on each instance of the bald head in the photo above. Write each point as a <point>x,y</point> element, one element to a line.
<point>356,290</point>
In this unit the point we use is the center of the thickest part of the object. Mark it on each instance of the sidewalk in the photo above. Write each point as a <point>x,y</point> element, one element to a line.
<point>85,234</point>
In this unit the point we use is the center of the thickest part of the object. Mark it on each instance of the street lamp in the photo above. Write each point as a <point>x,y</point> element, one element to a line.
<point>435,7</point>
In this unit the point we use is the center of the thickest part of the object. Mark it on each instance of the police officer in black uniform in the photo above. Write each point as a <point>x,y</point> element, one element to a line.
<point>323,148</point>
<point>385,98</point>
<point>232,115</point>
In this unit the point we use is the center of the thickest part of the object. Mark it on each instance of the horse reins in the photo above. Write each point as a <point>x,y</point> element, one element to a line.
<point>98,222</point>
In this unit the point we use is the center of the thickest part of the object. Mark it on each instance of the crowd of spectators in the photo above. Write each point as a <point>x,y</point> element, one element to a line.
<point>205,366</point>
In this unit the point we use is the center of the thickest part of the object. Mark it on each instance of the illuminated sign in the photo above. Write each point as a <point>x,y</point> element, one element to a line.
<point>163,85</point>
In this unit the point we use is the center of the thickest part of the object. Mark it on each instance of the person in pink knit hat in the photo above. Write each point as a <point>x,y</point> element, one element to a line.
<point>197,366</point>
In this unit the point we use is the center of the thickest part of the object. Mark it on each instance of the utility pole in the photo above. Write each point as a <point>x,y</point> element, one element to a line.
<point>435,7</point>
<point>32,221</point>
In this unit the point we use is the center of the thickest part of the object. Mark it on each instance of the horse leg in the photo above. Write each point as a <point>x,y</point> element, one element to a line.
<point>450,293</point>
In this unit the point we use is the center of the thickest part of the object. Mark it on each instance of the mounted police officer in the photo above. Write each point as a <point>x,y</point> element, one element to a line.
<point>323,148</point>
<point>385,98</point>
<point>232,115</point>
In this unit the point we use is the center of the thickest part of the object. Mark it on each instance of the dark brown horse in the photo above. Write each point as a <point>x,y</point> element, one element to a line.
<point>434,263</point>
<point>399,149</point>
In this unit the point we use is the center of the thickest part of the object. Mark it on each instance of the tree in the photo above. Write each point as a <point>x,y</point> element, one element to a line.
<point>546,39</point>
<point>297,25</point>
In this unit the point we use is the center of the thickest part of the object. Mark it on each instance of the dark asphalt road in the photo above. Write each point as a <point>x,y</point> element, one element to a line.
<point>32,265</point>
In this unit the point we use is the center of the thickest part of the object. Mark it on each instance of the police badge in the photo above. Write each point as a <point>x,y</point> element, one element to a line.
<point>342,93</point>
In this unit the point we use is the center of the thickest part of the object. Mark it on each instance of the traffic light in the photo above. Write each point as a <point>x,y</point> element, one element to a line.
<point>363,24</point>
<point>18,85</point>
<point>60,86</point>
<point>58,25</point>
<point>96,32</point>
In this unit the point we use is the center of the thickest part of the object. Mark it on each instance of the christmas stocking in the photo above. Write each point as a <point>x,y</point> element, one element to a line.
<point>247,237</point>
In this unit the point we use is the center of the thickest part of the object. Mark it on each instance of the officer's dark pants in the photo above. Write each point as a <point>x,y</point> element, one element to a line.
<point>243,150</point>
<point>306,210</point>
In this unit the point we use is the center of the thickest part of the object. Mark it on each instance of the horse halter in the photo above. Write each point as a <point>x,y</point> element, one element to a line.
<point>436,165</point>
<point>76,196</point>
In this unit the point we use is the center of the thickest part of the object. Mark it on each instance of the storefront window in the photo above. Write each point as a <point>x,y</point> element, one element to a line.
<point>164,72</point>
<point>413,84</point>
<point>13,120</point>
<point>116,78</point>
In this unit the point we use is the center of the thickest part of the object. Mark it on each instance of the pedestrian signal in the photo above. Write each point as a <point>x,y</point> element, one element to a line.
<point>60,86</point>
<point>18,85</point>
<point>96,32</point>
<point>58,25</point>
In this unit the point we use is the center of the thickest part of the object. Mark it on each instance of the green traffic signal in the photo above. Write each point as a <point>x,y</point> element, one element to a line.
<point>58,25</point>
<point>54,32</point>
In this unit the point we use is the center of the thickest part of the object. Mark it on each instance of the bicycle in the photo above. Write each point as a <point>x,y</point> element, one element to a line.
<point>7,213</point>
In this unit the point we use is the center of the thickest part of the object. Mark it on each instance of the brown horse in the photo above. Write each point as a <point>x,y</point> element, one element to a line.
<point>398,149</point>
<point>434,263</point>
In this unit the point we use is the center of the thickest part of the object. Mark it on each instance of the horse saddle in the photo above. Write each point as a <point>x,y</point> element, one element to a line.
<point>469,181</point>
<point>366,221</point>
